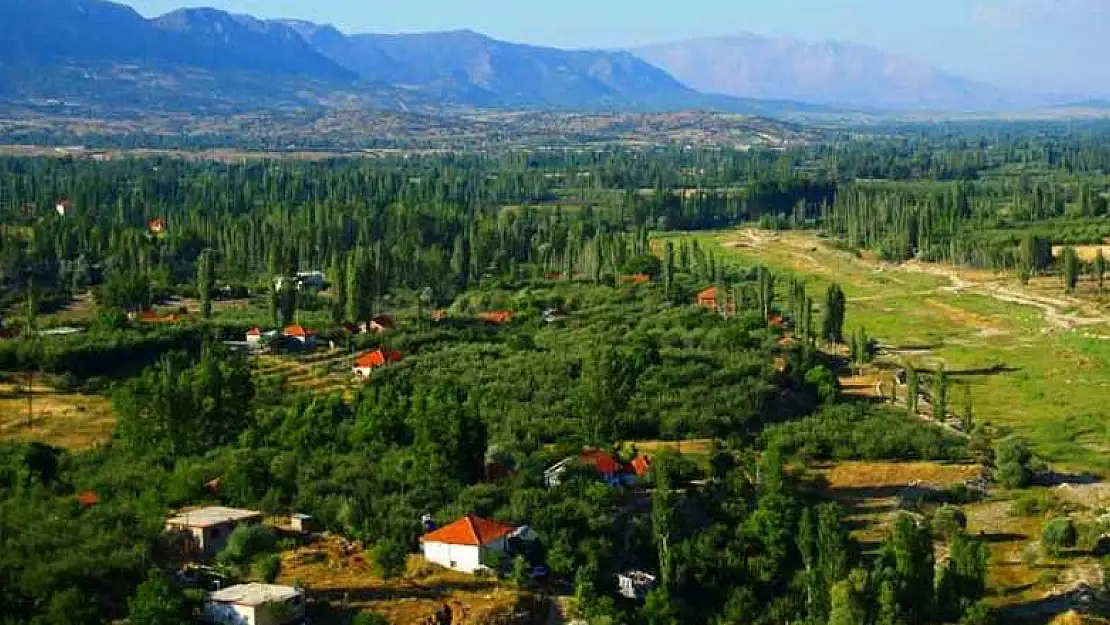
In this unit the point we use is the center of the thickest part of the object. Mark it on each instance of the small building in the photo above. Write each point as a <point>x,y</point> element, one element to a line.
<point>380,324</point>
<point>207,529</point>
<point>375,359</point>
<point>708,298</point>
<point>640,466</point>
<point>465,544</point>
<point>300,337</point>
<point>63,207</point>
<point>311,280</point>
<point>255,604</point>
<point>254,336</point>
<point>300,522</point>
<point>157,225</point>
<point>635,585</point>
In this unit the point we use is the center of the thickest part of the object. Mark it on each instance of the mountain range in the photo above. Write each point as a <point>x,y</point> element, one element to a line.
<point>95,53</point>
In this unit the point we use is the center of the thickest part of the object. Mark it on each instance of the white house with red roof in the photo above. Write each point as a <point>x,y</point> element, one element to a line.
<point>300,336</point>
<point>366,363</point>
<point>466,543</point>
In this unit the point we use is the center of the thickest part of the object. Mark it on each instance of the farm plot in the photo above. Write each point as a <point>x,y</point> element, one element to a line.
<point>69,420</point>
<point>323,371</point>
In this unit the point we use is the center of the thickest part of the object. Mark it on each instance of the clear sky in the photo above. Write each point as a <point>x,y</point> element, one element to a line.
<point>1042,45</point>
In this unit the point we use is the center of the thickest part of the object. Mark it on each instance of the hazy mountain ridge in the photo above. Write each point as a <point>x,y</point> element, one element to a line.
<point>832,73</point>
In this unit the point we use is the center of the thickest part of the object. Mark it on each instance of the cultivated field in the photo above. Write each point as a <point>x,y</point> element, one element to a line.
<point>1036,360</point>
<point>323,371</point>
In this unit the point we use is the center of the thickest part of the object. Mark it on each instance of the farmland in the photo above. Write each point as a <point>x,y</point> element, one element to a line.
<point>71,420</point>
<point>1035,359</point>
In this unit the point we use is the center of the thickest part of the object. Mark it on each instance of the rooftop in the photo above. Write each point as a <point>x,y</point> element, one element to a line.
<point>254,594</point>
<point>469,530</point>
<point>215,515</point>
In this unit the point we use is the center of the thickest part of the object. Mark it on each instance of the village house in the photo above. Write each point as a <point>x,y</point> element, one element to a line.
<point>378,325</point>
<point>157,225</point>
<point>608,468</point>
<point>377,358</point>
<point>299,337</point>
<point>255,604</point>
<point>207,529</point>
<point>63,207</point>
<point>311,280</point>
<point>467,543</point>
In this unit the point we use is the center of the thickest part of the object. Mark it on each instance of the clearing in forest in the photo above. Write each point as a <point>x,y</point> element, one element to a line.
<point>1036,360</point>
<point>69,420</point>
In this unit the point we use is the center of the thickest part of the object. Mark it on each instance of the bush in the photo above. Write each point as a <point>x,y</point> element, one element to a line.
<point>245,543</point>
<point>824,383</point>
<point>369,618</point>
<point>1014,463</point>
<point>948,521</point>
<point>390,558</point>
<point>267,567</point>
<point>1058,534</point>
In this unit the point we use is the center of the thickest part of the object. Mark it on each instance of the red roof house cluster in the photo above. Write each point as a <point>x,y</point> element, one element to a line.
<point>470,530</point>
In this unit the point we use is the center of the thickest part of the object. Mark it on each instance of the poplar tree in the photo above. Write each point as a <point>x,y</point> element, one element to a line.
<point>1100,270</point>
<point>940,393</point>
<point>1071,269</point>
<point>206,279</point>
<point>911,390</point>
<point>832,324</point>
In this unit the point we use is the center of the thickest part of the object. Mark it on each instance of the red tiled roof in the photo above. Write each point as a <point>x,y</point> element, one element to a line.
<point>600,460</point>
<point>157,224</point>
<point>636,278</point>
<point>88,499</point>
<point>298,331</point>
<point>641,465</point>
<point>497,317</point>
<point>255,331</point>
<point>708,294</point>
<point>469,530</point>
<point>378,358</point>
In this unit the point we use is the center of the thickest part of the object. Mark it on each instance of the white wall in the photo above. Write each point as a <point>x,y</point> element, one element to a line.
<point>229,614</point>
<point>465,558</point>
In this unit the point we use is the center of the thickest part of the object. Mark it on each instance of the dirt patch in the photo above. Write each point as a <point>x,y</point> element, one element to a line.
<point>341,572</point>
<point>694,447</point>
<point>961,316</point>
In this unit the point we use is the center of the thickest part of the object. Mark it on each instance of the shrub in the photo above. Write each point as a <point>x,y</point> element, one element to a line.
<point>246,542</point>
<point>948,521</point>
<point>390,558</point>
<point>267,567</point>
<point>1014,463</point>
<point>369,618</point>
<point>1058,534</point>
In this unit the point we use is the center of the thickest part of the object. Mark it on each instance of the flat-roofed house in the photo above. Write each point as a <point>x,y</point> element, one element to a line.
<point>255,604</point>
<point>207,529</point>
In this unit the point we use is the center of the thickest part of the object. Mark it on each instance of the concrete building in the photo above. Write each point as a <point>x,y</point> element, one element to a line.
<point>207,529</point>
<point>255,604</point>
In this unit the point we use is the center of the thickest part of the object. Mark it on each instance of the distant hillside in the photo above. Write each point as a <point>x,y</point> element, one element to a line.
<point>832,73</point>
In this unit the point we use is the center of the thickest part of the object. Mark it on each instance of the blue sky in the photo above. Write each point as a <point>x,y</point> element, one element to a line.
<point>1043,45</point>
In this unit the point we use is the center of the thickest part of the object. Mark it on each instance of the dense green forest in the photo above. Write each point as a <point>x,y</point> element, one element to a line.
<point>625,360</point>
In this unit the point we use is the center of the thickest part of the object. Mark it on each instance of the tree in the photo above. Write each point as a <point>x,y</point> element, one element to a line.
<point>158,601</point>
<point>206,281</point>
<point>968,421</point>
<point>390,558</point>
<point>287,302</point>
<point>369,618</point>
<point>1071,268</point>
<point>1100,271</point>
<point>668,266</point>
<point>1057,535</point>
<point>832,324</point>
<point>848,600</point>
<point>1013,463</point>
<point>911,390</point>
<point>521,571</point>
<point>940,393</point>
<point>246,543</point>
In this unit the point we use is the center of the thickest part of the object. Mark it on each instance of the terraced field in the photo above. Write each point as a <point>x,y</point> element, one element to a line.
<point>325,371</point>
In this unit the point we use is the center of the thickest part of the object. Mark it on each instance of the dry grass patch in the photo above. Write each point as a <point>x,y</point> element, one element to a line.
<point>341,573</point>
<point>881,475</point>
<point>69,420</point>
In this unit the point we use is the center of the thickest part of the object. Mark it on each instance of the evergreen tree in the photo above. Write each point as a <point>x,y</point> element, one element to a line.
<point>832,326</point>
<point>1071,268</point>
<point>968,416</point>
<point>1100,270</point>
<point>911,390</point>
<point>206,281</point>
<point>668,267</point>
<point>940,393</point>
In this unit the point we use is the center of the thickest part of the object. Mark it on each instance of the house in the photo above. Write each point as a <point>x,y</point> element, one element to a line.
<point>377,358</point>
<point>465,544</point>
<point>378,325</point>
<point>300,337</point>
<point>254,336</point>
<point>87,499</point>
<point>608,468</point>
<point>157,225</point>
<point>635,585</point>
<point>497,317</point>
<point>207,529</point>
<point>63,207</point>
<point>636,279</point>
<point>311,280</point>
<point>255,604</point>
<point>708,298</point>
<point>300,522</point>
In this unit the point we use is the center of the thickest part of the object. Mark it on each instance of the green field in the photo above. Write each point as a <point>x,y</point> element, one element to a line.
<point>1027,369</point>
